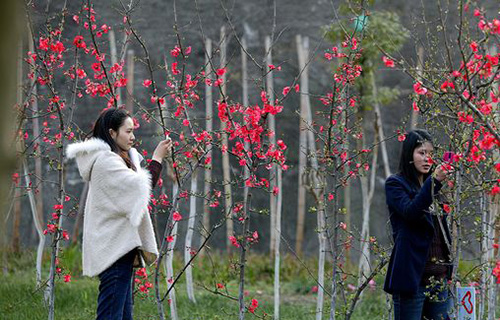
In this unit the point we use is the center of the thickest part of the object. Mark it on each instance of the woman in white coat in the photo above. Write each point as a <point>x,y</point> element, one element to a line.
<point>117,232</point>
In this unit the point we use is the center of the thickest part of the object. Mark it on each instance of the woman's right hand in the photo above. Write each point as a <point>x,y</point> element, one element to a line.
<point>442,171</point>
<point>163,149</point>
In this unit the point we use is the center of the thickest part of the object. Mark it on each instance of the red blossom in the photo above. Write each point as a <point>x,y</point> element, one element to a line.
<point>473,46</point>
<point>79,43</point>
<point>175,51</point>
<point>417,87</point>
<point>388,62</point>
<point>446,208</point>
<point>15,178</point>
<point>495,190</point>
<point>254,304</point>
<point>137,125</point>
<point>447,84</point>
<point>176,216</point>
<point>220,72</point>
<point>43,44</point>
<point>174,69</point>
<point>234,242</point>
<point>415,107</point>
<point>286,90</point>
<point>464,117</point>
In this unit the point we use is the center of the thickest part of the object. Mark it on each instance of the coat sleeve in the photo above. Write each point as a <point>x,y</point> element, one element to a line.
<point>155,171</point>
<point>127,191</point>
<point>398,198</point>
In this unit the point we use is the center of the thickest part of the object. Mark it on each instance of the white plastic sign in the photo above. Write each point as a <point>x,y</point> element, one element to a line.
<point>466,303</point>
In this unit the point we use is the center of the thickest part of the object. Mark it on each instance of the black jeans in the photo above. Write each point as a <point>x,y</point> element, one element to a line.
<point>115,290</point>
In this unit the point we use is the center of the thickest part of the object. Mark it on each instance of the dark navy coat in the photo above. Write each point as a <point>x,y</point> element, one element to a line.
<point>412,231</point>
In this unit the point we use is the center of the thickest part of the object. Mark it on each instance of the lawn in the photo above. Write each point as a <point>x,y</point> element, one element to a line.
<point>76,300</point>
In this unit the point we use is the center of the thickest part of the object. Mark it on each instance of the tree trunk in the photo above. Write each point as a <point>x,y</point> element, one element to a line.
<point>378,126</point>
<point>228,199</point>
<point>304,97</point>
<point>38,226</point>
<point>169,259</point>
<point>10,38</point>
<point>277,284</point>
<point>129,105</point>
<point>318,190</point>
<point>368,187</point>
<point>80,214</point>
<point>114,59</point>
<point>492,209</point>
<point>367,190</point>
<point>189,237</point>
<point>208,128</point>
<point>36,133</point>
<point>16,221</point>
<point>272,141</point>
<point>420,66</point>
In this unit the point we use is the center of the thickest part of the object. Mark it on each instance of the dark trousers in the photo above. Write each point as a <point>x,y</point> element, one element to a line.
<point>428,304</point>
<point>115,290</point>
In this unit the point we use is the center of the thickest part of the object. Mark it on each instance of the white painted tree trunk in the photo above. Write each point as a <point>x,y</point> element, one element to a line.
<point>38,226</point>
<point>36,201</point>
<point>277,285</point>
<point>420,64</point>
<point>275,176</point>
<point>129,105</point>
<point>272,140</point>
<point>367,192</point>
<point>301,197</point>
<point>226,169</point>
<point>189,236</point>
<point>488,291</point>
<point>492,286</point>
<point>379,128</point>
<point>484,259</point>
<point>246,172</point>
<point>318,183</point>
<point>208,127</point>
<point>114,59</point>
<point>169,258</point>
<point>493,206</point>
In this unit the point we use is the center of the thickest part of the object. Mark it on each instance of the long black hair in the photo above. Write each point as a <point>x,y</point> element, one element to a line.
<point>413,140</point>
<point>112,119</point>
<point>109,119</point>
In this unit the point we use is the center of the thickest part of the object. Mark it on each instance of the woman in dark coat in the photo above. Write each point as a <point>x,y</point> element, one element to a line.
<point>420,267</point>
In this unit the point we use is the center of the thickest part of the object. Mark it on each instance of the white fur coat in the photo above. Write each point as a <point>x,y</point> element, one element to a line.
<point>116,216</point>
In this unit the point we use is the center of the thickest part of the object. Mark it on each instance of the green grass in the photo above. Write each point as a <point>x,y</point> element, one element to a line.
<point>76,300</point>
